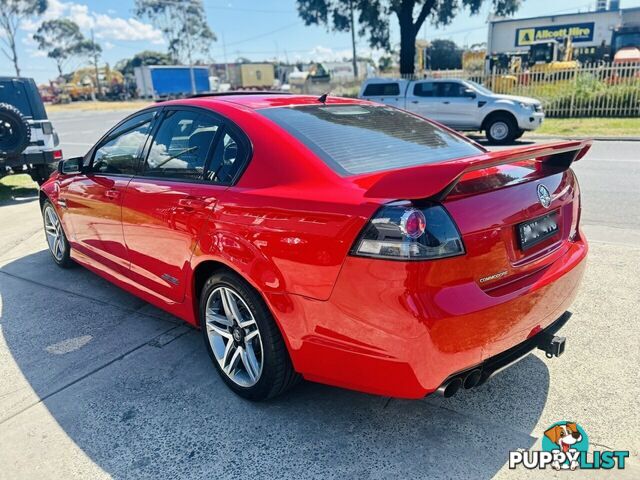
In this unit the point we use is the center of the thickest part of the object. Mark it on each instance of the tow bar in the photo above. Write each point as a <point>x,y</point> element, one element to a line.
<point>552,345</point>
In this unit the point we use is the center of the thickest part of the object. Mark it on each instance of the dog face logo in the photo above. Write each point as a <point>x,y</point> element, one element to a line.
<point>565,446</point>
<point>566,437</point>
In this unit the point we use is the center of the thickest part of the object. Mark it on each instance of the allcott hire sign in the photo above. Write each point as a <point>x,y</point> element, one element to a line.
<point>579,32</point>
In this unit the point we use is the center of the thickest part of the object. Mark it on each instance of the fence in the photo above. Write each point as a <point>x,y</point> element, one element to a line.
<point>585,91</point>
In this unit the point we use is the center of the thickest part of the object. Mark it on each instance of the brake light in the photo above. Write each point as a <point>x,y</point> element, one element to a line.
<point>57,154</point>
<point>401,232</point>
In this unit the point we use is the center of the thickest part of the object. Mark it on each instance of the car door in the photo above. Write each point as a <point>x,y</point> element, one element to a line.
<point>191,160</point>
<point>421,100</point>
<point>456,106</point>
<point>93,199</point>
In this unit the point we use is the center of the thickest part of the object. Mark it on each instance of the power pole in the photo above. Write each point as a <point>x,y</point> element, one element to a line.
<point>95,64</point>
<point>353,41</point>
<point>226,65</point>
<point>192,74</point>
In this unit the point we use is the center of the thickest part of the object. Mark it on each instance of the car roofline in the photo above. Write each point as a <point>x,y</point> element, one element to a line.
<point>237,92</point>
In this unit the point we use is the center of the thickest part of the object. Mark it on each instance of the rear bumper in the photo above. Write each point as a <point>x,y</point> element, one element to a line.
<point>387,330</point>
<point>503,360</point>
<point>36,158</point>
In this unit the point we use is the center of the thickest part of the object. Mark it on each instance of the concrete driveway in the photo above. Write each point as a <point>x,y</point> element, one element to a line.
<point>96,383</point>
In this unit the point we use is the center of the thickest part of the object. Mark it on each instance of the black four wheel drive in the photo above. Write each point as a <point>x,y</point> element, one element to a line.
<point>28,142</point>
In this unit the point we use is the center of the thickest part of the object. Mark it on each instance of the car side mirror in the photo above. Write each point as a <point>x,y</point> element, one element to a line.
<point>70,166</point>
<point>469,93</point>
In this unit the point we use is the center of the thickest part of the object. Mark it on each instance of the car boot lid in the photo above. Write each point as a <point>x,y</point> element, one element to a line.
<point>435,181</point>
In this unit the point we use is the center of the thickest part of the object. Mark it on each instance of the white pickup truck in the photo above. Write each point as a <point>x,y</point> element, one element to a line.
<point>459,104</point>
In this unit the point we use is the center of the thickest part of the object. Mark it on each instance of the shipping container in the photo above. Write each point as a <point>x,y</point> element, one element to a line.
<point>251,75</point>
<point>161,81</point>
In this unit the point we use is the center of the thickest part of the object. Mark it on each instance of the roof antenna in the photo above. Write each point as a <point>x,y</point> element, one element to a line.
<point>323,98</point>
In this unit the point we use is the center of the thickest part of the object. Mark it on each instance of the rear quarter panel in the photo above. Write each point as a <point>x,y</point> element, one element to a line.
<point>289,222</point>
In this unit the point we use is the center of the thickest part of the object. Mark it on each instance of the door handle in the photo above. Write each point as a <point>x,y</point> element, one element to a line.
<point>192,203</point>
<point>415,101</point>
<point>112,194</point>
<point>446,103</point>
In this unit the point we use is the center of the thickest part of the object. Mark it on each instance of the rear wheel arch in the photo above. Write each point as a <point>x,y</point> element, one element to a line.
<point>201,274</point>
<point>43,197</point>
<point>206,268</point>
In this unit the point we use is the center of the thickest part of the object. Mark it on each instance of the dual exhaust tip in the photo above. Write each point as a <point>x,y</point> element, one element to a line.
<point>469,380</point>
<point>552,345</point>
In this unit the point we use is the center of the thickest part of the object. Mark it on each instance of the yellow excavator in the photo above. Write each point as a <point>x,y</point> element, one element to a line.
<point>83,86</point>
<point>549,57</point>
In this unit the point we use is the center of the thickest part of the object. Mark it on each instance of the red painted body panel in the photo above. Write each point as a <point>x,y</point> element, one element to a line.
<point>287,226</point>
<point>162,221</point>
<point>94,215</point>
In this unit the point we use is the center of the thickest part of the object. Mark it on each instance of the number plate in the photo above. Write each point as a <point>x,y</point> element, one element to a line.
<point>538,230</point>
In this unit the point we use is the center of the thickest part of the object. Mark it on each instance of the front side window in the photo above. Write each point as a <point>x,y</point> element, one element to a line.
<point>356,139</point>
<point>119,153</point>
<point>181,146</point>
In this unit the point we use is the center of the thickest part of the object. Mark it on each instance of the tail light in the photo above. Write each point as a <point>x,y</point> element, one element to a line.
<point>57,154</point>
<point>402,232</point>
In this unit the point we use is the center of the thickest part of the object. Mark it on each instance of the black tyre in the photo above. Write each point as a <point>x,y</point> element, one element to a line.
<point>56,239</point>
<point>243,339</point>
<point>519,134</point>
<point>15,132</point>
<point>501,129</point>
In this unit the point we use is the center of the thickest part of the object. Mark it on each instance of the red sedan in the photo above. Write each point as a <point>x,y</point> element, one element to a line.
<point>338,240</point>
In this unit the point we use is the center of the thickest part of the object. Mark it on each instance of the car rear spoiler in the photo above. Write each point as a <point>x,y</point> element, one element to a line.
<point>436,180</point>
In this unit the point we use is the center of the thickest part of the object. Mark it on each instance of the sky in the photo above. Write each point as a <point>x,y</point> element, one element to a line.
<point>255,29</point>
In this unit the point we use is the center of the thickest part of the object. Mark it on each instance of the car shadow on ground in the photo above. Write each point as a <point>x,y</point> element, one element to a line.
<point>516,143</point>
<point>134,389</point>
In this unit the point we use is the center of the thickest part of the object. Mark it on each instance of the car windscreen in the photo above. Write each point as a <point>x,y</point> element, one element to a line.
<point>356,139</point>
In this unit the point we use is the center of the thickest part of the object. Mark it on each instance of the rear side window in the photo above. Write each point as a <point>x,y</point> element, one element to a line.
<point>229,157</point>
<point>381,90</point>
<point>355,139</point>
<point>450,89</point>
<point>423,89</point>
<point>181,146</point>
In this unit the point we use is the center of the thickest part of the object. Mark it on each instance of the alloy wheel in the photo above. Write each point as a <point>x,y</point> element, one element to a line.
<point>234,336</point>
<point>55,236</point>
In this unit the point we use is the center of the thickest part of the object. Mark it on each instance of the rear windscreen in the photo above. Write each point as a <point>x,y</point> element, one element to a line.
<point>355,139</point>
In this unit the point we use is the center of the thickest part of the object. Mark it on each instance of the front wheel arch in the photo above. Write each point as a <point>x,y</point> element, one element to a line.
<point>497,113</point>
<point>506,117</point>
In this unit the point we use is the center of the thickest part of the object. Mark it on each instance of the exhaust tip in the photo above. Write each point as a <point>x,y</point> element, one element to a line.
<point>450,388</point>
<point>472,379</point>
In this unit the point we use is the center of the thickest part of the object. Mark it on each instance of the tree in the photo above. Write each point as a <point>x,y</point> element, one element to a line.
<point>411,14</point>
<point>91,49</point>
<point>62,39</point>
<point>183,23</point>
<point>444,55</point>
<point>12,14</point>
<point>147,57</point>
<point>385,63</point>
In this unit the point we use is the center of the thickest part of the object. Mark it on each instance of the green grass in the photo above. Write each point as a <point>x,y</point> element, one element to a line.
<point>590,127</point>
<point>14,186</point>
